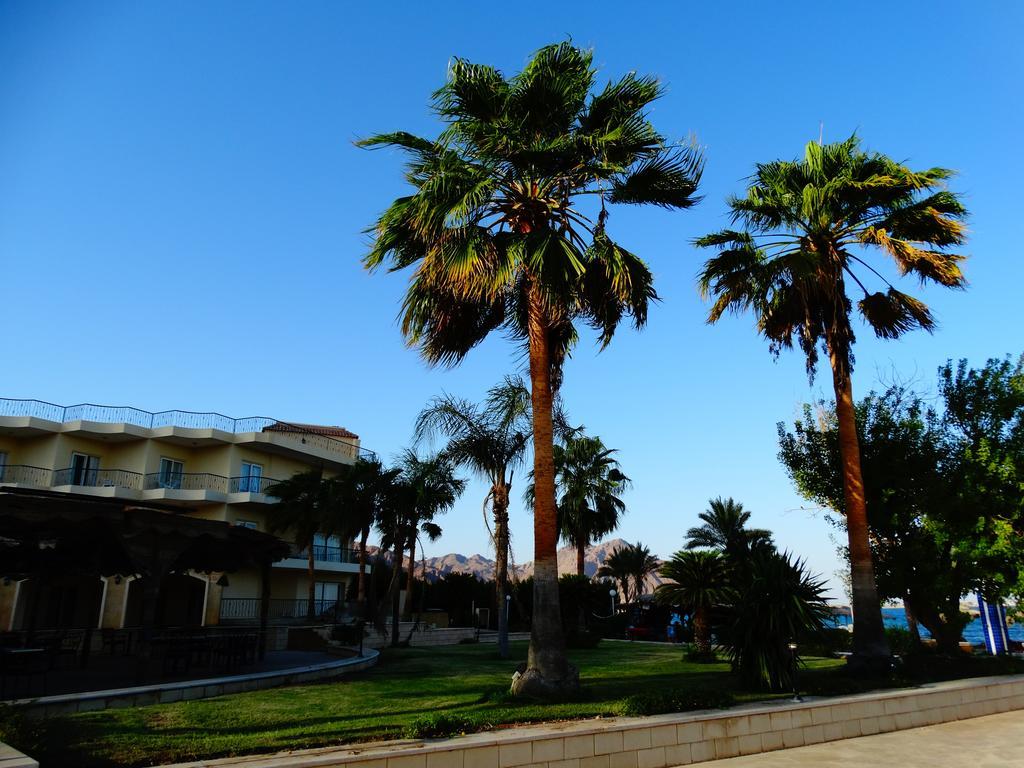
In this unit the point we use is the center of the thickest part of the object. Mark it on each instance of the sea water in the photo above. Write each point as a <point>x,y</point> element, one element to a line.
<point>897,617</point>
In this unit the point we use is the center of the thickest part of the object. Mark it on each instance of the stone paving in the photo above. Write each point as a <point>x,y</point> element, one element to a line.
<point>994,741</point>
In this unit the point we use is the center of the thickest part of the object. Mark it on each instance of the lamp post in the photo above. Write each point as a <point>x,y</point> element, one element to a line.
<point>508,604</point>
<point>796,690</point>
<point>612,593</point>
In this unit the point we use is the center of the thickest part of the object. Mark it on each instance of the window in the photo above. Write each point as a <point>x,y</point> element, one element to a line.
<point>249,482</point>
<point>171,471</point>
<point>327,548</point>
<point>3,463</point>
<point>326,593</point>
<point>84,469</point>
<point>250,524</point>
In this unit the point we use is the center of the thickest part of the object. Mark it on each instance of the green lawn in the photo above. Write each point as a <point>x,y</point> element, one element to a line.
<point>465,680</point>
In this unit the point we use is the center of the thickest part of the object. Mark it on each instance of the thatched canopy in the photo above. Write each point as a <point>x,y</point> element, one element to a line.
<point>49,532</point>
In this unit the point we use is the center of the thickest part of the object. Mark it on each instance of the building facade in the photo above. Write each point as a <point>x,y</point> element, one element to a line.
<point>202,465</point>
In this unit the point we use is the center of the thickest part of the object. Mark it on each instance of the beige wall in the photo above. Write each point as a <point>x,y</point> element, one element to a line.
<point>8,593</point>
<point>34,451</point>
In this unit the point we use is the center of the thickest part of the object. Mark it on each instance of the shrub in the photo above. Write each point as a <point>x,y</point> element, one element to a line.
<point>901,641</point>
<point>828,642</point>
<point>348,634</point>
<point>468,641</point>
<point>439,725</point>
<point>692,653</point>
<point>576,639</point>
<point>779,600</point>
<point>662,702</point>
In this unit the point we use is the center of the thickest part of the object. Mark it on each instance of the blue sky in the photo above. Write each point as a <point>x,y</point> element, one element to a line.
<point>182,214</point>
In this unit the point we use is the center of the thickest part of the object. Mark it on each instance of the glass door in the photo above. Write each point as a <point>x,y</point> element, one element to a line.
<point>84,469</point>
<point>252,474</point>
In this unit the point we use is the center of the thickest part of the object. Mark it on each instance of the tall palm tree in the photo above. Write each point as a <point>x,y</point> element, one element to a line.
<point>725,529</point>
<point>434,490</point>
<point>491,440</point>
<point>630,563</point>
<point>506,229</point>
<point>699,582</point>
<point>810,225</point>
<point>305,509</point>
<point>364,488</point>
<point>589,480</point>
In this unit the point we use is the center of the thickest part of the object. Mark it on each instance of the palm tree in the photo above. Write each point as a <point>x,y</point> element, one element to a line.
<point>699,582</point>
<point>491,440</point>
<point>501,238</point>
<point>630,563</point>
<point>778,602</point>
<point>305,509</point>
<point>363,488</point>
<point>810,225</point>
<point>725,530</point>
<point>434,489</point>
<point>589,480</point>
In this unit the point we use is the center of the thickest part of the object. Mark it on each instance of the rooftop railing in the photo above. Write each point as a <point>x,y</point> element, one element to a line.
<point>40,477</point>
<point>109,414</point>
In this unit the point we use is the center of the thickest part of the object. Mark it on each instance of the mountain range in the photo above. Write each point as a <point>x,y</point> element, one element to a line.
<point>483,567</point>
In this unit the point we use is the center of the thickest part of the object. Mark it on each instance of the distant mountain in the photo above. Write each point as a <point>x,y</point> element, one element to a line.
<point>483,567</point>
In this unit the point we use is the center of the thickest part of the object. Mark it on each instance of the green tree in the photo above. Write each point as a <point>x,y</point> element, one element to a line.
<point>810,225</point>
<point>908,479</point>
<point>491,440</point>
<point>363,488</point>
<point>432,489</point>
<point>502,232</point>
<point>630,565</point>
<point>778,603</point>
<point>700,580</point>
<point>589,482</point>
<point>307,506</point>
<point>725,529</point>
<point>983,418</point>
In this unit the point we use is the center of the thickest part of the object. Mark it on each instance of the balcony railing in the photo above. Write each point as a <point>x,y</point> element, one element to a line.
<point>247,609</point>
<point>186,481</point>
<point>123,478</point>
<point>25,474</point>
<point>250,484</point>
<point>98,478</point>
<point>109,414</point>
<point>327,554</point>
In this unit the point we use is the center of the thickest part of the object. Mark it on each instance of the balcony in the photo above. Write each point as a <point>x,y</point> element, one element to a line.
<point>24,474</point>
<point>246,610</point>
<point>123,483</point>
<point>259,429</point>
<point>325,558</point>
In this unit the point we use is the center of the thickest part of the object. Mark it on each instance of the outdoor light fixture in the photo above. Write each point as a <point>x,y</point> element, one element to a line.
<point>223,580</point>
<point>796,690</point>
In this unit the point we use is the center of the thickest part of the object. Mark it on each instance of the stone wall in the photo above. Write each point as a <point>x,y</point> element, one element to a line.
<point>665,741</point>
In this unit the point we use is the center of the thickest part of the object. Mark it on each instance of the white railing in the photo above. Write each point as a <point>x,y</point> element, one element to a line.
<point>109,414</point>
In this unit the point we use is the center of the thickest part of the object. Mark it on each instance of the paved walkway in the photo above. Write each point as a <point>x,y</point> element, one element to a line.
<point>995,741</point>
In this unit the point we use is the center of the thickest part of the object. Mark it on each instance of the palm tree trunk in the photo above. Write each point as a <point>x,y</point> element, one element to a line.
<point>410,576</point>
<point>548,671</point>
<point>912,627</point>
<point>311,573</point>
<point>500,503</point>
<point>581,612</point>
<point>361,584</point>
<point>869,643</point>
<point>701,631</point>
<point>396,589</point>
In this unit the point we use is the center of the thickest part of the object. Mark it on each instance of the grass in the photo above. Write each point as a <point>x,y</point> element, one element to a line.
<point>466,682</point>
